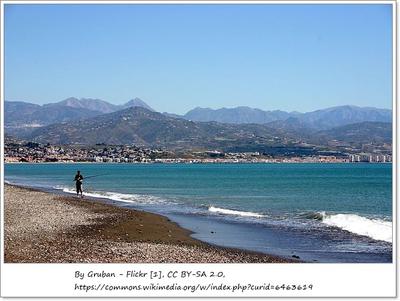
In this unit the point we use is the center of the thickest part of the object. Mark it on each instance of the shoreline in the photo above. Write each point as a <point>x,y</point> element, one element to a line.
<point>44,227</point>
<point>195,163</point>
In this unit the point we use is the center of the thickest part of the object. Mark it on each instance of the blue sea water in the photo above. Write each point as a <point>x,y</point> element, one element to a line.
<point>319,212</point>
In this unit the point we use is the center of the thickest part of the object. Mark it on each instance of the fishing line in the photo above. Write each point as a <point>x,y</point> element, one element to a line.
<point>105,174</point>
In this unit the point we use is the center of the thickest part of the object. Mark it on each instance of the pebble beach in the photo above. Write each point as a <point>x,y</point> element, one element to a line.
<point>41,227</point>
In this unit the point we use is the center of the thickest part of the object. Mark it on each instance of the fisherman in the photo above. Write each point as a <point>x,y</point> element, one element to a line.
<point>79,181</point>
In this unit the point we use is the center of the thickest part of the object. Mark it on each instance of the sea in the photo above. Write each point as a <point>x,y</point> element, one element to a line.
<point>328,213</point>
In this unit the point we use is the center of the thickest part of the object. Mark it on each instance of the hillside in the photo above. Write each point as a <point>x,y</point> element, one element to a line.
<point>21,118</point>
<point>143,127</point>
<point>358,133</point>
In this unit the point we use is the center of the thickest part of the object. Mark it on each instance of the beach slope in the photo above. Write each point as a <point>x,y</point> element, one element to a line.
<point>41,227</point>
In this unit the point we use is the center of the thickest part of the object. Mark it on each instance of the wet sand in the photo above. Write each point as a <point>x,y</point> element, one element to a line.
<point>41,227</point>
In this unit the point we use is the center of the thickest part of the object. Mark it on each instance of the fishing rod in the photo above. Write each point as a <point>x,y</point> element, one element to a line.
<point>104,174</point>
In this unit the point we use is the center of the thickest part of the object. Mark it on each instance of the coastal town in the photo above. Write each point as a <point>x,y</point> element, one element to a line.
<point>17,151</point>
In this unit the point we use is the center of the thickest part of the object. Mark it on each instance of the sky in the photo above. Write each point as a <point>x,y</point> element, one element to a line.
<point>292,57</point>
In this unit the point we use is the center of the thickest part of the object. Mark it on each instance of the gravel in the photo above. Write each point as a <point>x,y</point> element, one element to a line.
<point>44,228</point>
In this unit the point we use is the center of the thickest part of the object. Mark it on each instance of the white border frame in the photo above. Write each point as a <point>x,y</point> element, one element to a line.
<point>11,273</point>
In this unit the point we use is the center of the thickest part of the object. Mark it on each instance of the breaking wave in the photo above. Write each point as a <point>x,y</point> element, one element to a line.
<point>319,216</point>
<point>119,197</point>
<point>377,229</point>
<point>234,212</point>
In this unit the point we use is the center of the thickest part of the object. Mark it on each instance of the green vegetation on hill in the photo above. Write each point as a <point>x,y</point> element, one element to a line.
<point>143,127</point>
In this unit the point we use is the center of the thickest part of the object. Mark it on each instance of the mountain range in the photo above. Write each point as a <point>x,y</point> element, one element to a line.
<point>17,113</point>
<point>320,119</point>
<point>142,127</point>
<point>91,121</point>
<point>21,118</point>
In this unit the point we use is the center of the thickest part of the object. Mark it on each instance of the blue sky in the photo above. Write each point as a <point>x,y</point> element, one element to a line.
<point>176,57</point>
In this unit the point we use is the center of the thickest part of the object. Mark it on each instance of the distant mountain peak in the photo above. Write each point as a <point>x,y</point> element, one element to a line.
<point>70,101</point>
<point>137,102</point>
<point>136,99</point>
<point>92,104</point>
<point>99,105</point>
<point>71,98</point>
<point>136,109</point>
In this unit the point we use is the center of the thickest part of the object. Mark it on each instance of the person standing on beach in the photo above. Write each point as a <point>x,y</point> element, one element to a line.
<point>78,182</point>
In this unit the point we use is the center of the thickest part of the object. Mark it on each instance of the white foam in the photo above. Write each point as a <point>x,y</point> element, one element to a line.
<point>234,212</point>
<point>119,197</point>
<point>374,228</point>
